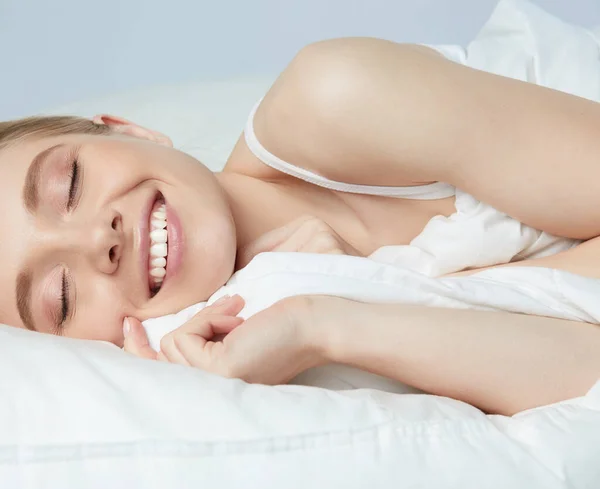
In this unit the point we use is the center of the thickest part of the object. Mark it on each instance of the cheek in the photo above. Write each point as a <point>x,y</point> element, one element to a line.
<point>109,165</point>
<point>101,319</point>
<point>218,242</point>
<point>89,327</point>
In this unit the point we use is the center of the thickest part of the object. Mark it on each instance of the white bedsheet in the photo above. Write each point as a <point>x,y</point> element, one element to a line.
<point>77,414</point>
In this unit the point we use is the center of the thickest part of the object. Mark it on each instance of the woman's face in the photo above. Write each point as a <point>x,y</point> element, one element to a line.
<point>75,258</point>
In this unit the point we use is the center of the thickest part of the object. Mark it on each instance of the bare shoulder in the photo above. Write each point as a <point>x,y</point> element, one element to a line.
<point>326,110</point>
<point>244,162</point>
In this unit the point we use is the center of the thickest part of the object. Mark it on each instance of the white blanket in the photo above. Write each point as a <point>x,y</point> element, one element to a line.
<point>84,414</point>
<point>271,277</point>
<point>77,414</point>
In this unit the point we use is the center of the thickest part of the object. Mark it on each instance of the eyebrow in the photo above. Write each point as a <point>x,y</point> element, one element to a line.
<point>32,179</point>
<point>31,199</point>
<point>23,293</point>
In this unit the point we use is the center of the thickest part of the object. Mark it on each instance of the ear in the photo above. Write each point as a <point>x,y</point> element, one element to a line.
<point>123,126</point>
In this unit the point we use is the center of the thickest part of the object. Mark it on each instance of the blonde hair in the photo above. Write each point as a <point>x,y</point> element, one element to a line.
<point>12,132</point>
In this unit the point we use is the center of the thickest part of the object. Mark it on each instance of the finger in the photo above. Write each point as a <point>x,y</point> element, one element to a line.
<point>168,348</point>
<point>197,332</point>
<point>136,340</point>
<point>269,241</point>
<point>348,249</point>
<point>330,244</point>
<point>324,243</point>
<point>297,241</point>
<point>207,355</point>
<point>223,325</point>
<point>207,326</point>
<point>226,305</point>
<point>170,352</point>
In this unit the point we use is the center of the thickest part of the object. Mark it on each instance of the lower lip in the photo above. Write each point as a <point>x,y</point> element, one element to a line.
<point>175,244</point>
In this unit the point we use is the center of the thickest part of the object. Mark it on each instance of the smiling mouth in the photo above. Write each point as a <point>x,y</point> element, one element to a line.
<point>158,245</point>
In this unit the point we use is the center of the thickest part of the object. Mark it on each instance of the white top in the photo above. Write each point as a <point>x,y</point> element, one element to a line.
<point>430,191</point>
<point>475,236</point>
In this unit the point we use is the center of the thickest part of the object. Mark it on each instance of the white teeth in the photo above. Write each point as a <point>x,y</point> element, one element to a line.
<point>158,262</point>
<point>158,249</point>
<point>158,245</point>
<point>157,272</point>
<point>158,236</point>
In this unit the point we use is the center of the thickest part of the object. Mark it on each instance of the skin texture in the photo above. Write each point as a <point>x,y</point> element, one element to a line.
<point>355,110</point>
<point>501,363</point>
<point>119,174</point>
<point>381,113</point>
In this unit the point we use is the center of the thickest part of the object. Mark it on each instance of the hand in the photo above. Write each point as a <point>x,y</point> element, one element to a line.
<point>213,321</point>
<point>306,234</point>
<point>271,347</point>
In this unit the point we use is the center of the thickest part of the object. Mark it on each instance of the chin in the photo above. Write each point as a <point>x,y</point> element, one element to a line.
<point>187,294</point>
<point>200,281</point>
<point>201,243</point>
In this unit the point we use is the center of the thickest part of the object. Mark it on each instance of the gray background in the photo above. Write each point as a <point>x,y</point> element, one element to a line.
<point>58,51</point>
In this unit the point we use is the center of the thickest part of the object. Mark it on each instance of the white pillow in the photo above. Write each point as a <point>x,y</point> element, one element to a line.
<point>76,414</point>
<point>204,119</point>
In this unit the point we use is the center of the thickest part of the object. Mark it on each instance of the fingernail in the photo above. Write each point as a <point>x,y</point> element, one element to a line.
<point>126,327</point>
<point>222,300</point>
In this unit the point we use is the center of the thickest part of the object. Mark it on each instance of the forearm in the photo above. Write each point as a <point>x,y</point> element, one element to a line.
<point>500,362</point>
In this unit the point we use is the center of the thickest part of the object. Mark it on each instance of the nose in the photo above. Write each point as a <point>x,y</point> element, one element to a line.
<point>101,240</point>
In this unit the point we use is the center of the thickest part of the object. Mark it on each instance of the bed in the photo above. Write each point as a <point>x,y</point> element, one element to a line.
<point>77,414</point>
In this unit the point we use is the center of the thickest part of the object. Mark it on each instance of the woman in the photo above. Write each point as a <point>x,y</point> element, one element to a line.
<point>365,112</point>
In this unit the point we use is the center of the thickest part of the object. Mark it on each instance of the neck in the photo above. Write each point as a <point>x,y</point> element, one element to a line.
<point>260,206</point>
<point>256,206</point>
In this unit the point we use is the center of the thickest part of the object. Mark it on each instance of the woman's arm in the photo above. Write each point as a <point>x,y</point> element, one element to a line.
<point>370,111</point>
<point>500,362</point>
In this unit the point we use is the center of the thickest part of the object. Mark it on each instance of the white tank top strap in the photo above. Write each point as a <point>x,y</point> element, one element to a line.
<point>432,191</point>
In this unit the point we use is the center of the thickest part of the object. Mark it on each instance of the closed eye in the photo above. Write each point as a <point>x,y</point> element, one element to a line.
<point>74,186</point>
<point>75,176</point>
<point>64,303</point>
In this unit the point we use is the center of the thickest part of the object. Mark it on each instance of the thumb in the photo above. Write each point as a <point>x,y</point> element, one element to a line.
<point>136,340</point>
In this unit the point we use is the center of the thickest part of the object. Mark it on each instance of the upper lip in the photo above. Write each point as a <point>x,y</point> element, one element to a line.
<point>143,245</point>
